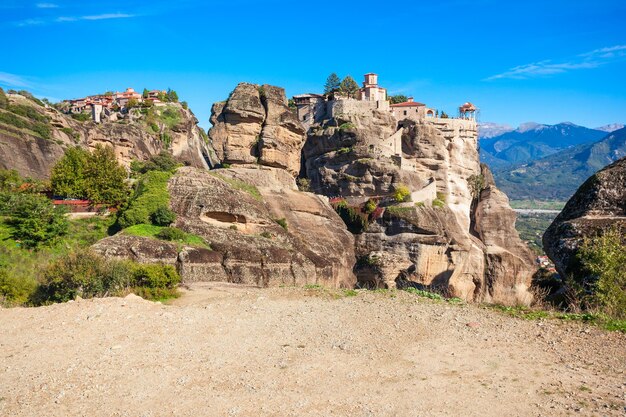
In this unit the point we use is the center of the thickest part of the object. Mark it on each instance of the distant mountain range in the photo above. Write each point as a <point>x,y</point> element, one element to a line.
<point>558,175</point>
<point>611,128</point>
<point>531,141</point>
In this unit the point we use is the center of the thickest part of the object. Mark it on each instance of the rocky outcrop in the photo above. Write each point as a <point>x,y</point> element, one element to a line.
<point>255,125</point>
<point>599,204</point>
<point>261,230</point>
<point>128,133</point>
<point>446,239</point>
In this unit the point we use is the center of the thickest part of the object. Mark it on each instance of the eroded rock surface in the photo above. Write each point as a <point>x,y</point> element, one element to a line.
<point>34,156</point>
<point>239,214</point>
<point>599,204</point>
<point>446,238</point>
<point>255,125</point>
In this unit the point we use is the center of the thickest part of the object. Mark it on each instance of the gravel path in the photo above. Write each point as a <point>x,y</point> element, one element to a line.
<point>224,350</point>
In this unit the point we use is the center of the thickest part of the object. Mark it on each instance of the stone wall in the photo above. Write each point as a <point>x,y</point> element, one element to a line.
<point>352,107</point>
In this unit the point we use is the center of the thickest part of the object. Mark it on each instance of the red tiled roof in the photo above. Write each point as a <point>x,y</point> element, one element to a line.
<point>71,202</point>
<point>408,104</point>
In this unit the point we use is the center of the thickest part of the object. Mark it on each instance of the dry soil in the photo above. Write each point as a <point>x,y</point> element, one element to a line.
<point>223,350</point>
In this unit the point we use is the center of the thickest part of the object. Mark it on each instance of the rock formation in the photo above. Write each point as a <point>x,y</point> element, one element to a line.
<point>600,203</point>
<point>255,125</point>
<point>261,231</point>
<point>446,237</point>
<point>34,156</point>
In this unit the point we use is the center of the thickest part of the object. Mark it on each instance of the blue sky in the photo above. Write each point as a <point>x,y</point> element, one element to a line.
<point>544,61</point>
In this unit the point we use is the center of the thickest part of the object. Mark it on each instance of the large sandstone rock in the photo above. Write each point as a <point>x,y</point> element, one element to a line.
<point>255,125</point>
<point>599,204</point>
<point>465,246</point>
<point>508,260</point>
<point>237,211</point>
<point>33,156</point>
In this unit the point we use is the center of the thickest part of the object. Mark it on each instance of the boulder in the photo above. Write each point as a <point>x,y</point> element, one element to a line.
<point>599,204</point>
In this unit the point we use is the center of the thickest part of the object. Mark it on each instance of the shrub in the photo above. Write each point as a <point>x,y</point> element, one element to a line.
<point>438,203</point>
<point>164,161</point>
<point>282,222</point>
<point>81,117</point>
<point>370,206</point>
<point>10,180</point>
<point>15,290</point>
<point>304,184</point>
<point>354,222</point>
<point>401,193</point>
<point>155,276</point>
<point>266,235</point>
<point>171,234</point>
<point>35,220</point>
<point>476,185</point>
<point>163,216</point>
<point>86,274</point>
<point>603,258</point>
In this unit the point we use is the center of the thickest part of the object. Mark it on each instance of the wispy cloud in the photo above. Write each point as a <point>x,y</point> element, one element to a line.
<point>66,19</point>
<point>46,6</point>
<point>592,59</point>
<point>103,16</point>
<point>13,80</point>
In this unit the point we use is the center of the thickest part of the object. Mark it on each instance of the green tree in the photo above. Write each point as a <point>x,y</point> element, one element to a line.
<point>36,221</point>
<point>68,174</point>
<point>349,87</point>
<point>172,96</point>
<point>10,180</point>
<point>105,178</point>
<point>145,93</point>
<point>398,98</point>
<point>333,83</point>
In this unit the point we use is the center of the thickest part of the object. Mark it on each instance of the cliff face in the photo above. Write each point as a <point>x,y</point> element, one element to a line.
<point>446,237</point>
<point>237,212</point>
<point>129,134</point>
<point>599,204</point>
<point>255,125</point>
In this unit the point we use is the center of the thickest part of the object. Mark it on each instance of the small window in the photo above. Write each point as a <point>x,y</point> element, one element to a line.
<point>405,112</point>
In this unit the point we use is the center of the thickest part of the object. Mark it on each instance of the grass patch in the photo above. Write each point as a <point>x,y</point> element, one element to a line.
<point>240,185</point>
<point>152,231</point>
<point>528,313</point>
<point>424,294</point>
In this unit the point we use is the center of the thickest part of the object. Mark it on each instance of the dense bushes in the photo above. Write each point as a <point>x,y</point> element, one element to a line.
<point>94,176</point>
<point>86,274</point>
<point>15,290</point>
<point>149,197</point>
<point>603,258</point>
<point>164,161</point>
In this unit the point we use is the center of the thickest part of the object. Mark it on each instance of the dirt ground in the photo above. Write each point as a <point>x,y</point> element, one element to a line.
<point>224,350</point>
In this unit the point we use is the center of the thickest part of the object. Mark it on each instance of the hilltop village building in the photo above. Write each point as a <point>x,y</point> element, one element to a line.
<point>315,108</point>
<point>99,103</point>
